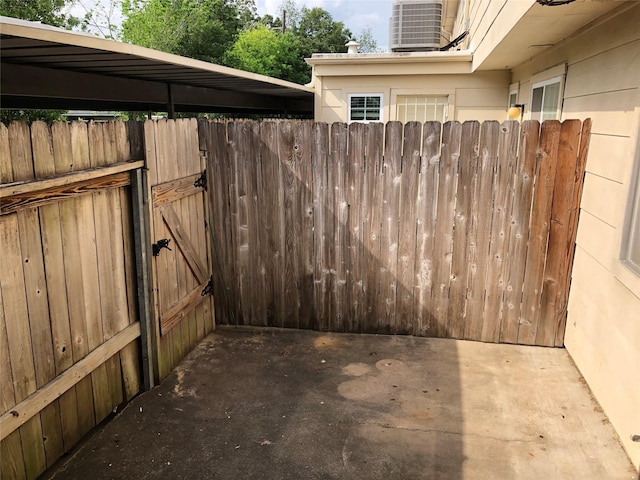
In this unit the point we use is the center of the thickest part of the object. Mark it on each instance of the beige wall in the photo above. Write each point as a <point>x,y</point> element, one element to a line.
<point>603,328</point>
<point>480,96</point>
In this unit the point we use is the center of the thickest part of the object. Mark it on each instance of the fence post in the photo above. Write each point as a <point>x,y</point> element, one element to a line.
<point>143,265</point>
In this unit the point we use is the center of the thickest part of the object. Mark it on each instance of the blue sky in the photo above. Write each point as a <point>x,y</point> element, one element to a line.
<point>355,14</point>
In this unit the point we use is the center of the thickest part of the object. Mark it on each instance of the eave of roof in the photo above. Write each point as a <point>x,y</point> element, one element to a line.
<point>390,58</point>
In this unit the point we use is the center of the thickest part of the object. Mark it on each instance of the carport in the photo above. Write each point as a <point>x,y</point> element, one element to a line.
<point>48,68</point>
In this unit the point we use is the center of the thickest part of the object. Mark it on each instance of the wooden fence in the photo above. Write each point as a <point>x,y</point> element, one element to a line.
<point>67,287</point>
<point>455,230</point>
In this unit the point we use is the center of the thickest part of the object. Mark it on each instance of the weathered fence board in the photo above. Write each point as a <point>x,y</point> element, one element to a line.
<point>425,229</point>
<point>456,312</point>
<point>371,214</point>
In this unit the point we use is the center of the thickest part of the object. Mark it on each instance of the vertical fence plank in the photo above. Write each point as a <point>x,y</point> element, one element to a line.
<point>468,160</point>
<point>234,202</point>
<point>62,319</point>
<point>53,316</point>
<point>12,464</point>
<point>442,252</point>
<point>219,172</point>
<point>70,153</point>
<point>553,304</point>
<point>539,232</point>
<point>480,228</point>
<point>338,181</point>
<point>425,229</point>
<point>106,207</point>
<point>578,184</point>
<point>356,172</point>
<point>371,216</point>
<point>239,138</point>
<point>6,173</point>
<point>519,217</point>
<point>498,247</point>
<point>186,281</point>
<point>304,208</point>
<point>291,295</point>
<point>272,215</point>
<point>172,172</point>
<point>407,225</point>
<point>27,373</point>
<point>257,271</point>
<point>323,228</point>
<point>389,228</point>
<point>23,369</point>
<point>155,136</point>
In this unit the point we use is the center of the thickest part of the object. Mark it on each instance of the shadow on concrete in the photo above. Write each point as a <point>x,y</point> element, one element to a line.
<point>266,404</point>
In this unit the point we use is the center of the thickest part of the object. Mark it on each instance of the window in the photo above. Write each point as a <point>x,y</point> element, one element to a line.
<point>421,108</point>
<point>631,244</point>
<point>365,108</point>
<point>513,99</point>
<point>545,100</point>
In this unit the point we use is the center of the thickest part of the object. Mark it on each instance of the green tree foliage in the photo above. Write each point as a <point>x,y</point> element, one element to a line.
<point>268,52</point>
<point>306,31</point>
<point>30,116</point>
<point>50,12</point>
<point>319,33</point>
<point>202,29</point>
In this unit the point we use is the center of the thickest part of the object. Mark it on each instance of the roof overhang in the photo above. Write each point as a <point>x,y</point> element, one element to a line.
<point>397,63</point>
<point>524,29</point>
<point>45,67</point>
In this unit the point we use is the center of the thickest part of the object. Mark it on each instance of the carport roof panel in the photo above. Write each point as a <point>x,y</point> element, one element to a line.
<point>34,44</point>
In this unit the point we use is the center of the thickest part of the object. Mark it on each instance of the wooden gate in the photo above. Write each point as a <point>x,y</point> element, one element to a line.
<point>178,231</point>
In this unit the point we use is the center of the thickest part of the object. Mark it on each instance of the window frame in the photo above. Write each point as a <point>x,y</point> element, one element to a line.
<point>626,271</point>
<point>559,79</point>
<point>631,229</point>
<point>514,89</point>
<point>425,96</point>
<point>365,95</point>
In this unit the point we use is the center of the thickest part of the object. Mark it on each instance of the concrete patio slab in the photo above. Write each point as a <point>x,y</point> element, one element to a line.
<point>274,404</point>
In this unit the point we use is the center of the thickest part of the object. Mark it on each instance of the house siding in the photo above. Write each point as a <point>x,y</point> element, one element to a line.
<point>479,96</point>
<point>603,326</point>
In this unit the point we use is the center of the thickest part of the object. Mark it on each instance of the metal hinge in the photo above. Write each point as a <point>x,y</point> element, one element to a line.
<point>208,288</point>
<point>163,243</point>
<point>201,181</point>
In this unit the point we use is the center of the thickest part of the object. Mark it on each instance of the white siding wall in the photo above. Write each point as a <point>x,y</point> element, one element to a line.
<point>603,327</point>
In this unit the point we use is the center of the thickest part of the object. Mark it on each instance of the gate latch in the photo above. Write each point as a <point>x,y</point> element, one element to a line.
<point>208,288</point>
<point>163,243</point>
<point>201,181</point>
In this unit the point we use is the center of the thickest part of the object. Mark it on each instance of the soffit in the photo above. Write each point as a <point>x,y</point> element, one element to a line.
<point>541,28</point>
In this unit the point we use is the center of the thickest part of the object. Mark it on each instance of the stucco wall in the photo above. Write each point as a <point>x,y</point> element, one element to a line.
<point>479,96</point>
<point>603,327</point>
